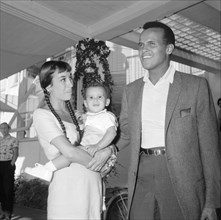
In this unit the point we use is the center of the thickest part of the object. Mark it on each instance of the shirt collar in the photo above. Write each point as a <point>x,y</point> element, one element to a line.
<point>97,113</point>
<point>168,76</point>
<point>7,137</point>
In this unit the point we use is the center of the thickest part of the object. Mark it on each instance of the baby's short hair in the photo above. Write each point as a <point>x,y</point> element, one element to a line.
<point>97,84</point>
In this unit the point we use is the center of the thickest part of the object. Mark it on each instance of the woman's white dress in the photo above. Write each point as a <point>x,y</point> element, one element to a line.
<point>74,192</point>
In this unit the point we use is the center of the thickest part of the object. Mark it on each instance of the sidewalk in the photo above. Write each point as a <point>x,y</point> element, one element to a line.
<point>26,213</point>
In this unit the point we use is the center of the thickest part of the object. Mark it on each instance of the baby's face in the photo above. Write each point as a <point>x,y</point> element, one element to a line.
<point>96,99</point>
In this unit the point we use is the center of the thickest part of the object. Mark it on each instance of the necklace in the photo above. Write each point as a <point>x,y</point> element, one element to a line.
<point>64,115</point>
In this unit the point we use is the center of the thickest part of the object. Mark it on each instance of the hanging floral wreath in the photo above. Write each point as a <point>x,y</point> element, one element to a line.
<point>92,63</point>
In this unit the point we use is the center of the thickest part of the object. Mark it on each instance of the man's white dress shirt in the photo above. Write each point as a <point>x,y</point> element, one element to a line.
<point>154,109</point>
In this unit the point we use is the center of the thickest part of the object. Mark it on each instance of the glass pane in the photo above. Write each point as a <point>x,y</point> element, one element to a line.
<point>195,37</point>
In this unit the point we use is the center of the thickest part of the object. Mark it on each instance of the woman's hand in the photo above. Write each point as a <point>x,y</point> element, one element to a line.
<point>99,159</point>
<point>105,170</point>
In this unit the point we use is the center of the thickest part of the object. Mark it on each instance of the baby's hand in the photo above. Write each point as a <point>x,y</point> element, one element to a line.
<point>92,149</point>
<point>78,114</point>
<point>80,117</point>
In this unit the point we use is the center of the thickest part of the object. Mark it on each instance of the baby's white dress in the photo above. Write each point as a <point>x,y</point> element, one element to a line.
<point>75,193</point>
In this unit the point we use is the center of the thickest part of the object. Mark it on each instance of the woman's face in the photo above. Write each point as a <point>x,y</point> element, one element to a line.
<point>61,86</point>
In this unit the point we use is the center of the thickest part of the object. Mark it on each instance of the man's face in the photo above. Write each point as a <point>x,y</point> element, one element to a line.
<point>4,129</point>
<point>153,51</point>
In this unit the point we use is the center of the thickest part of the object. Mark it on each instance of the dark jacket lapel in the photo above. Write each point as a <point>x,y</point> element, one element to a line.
<point>137,112</point>
<point>173,95</point>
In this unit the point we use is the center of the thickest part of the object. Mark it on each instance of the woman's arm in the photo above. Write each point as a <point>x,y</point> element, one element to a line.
<point>53,134</point>
<point>101,157</point>
<point>78,155</point>
<point>72,154</point>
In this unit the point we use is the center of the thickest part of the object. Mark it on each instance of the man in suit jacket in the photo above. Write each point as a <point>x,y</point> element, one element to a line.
<point>169,121</point>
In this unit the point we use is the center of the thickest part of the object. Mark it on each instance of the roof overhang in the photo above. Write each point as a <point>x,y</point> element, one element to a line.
<point>32,31</point>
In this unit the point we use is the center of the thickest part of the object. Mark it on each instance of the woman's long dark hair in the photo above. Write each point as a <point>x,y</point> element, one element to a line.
<point>45,77</point>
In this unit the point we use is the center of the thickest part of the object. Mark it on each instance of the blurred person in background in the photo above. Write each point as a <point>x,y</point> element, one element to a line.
<point>8,157</point>
<point>219,113</point>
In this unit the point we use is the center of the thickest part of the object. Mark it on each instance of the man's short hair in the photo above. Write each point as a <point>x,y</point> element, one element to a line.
<point>169,36</point>
<point>97,84</point>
